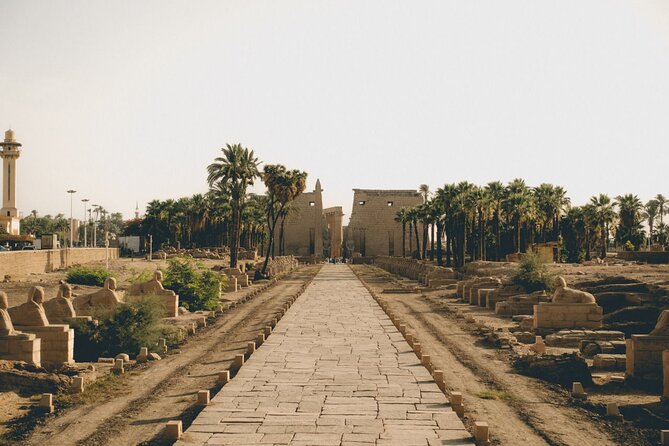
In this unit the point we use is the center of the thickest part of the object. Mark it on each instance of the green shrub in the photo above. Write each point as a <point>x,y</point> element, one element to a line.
<point>85,275</point>
<point>123,330</point>
<point>197,290</point>
<point>533,275</point>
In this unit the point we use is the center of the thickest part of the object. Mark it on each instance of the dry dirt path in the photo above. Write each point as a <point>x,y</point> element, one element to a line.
<point>334,372</point>
<point>167,389</point>
<point>528,413</point>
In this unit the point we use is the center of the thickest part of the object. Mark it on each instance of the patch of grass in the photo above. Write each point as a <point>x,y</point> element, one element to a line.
<point>495,395</point>
<point>86,275</point>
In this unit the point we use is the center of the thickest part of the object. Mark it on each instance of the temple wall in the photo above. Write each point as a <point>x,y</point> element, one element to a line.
<point>372,230</point>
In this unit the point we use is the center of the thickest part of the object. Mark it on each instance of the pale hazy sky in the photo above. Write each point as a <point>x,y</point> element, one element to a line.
<point>128,101</point>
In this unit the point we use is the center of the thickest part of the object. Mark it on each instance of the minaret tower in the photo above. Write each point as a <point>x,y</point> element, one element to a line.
<point>9,215</point>
<point>137,209</point>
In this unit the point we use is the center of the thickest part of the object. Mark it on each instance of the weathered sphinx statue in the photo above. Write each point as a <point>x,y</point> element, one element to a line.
<point>32,312</point>
<point>154,287</point>
<point>60,308</point>
<point>106,298</point>
<point>565,295</point>
<point>6,326</point>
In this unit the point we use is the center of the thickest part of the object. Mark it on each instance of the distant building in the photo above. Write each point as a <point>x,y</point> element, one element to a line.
<point>10,219</point>
<point>372,229</point>
<point>310,230</point>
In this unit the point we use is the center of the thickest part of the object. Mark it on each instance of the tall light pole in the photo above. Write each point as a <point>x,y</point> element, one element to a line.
<point>95,231</point>
<point>85,200</point>
<point>71,192</point>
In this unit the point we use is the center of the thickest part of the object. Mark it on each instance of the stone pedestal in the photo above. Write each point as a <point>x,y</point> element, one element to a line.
<point>231,286</point>
<point>57,343</point>
<point>644,355</point>
<point>21,347</point>
<point>567,315</point>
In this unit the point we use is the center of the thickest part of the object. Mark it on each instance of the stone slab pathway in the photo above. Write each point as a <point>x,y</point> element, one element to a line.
<point>334,372</point>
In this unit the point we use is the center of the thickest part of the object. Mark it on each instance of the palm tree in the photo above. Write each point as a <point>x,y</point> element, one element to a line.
<point>402,216</point>
<point>650,213</point>
<point>283,186</point>
<point>237,168</point>
<point>518,204</point>
<point>661,203</point>
<point>603,217</point>
<point>413,218</point>
<point>496,192</point>
<point>629,215</point>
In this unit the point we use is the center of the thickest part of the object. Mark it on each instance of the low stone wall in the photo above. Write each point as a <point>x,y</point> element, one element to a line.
<point>280,265</point>
<point>644,355</point>
<point>556,316</point>
<point>429,275</point>
<point>16,263</point>
<point>645,256</point>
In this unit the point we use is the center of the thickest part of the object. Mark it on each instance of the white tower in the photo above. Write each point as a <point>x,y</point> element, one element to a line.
<point>9,215</point>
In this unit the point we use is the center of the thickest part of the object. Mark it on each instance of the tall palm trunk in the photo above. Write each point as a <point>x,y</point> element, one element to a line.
<point>498,237</point>
<point>432,242</point>
<point>424,253</point>
<point>404,239</point>
<point>440,260</point>
<point>415,228</point>
<point>410,239</point>
<point>282,238</point>
<point>603,236</point>
<point>234,243</point>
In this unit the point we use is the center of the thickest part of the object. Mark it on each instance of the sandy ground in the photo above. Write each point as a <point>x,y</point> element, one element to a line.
<point>153,394</point>
<point>528,411</point>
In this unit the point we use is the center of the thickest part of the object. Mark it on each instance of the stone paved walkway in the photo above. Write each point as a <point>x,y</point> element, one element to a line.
<point>334,372</point>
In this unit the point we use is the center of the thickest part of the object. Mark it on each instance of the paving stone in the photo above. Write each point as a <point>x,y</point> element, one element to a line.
<point>334,371</point>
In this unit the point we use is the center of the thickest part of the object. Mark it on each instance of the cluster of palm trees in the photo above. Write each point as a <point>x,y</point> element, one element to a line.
<point>227,215</point>
<point>488,222</point>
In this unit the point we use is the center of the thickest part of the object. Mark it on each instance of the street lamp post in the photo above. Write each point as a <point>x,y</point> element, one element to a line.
<point>95,230</point>
<point>71,192</point>
<point>85,200</point>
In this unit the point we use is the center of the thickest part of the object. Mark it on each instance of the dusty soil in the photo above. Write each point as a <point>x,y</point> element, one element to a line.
<point>132,409</point>
<point>519,409</point>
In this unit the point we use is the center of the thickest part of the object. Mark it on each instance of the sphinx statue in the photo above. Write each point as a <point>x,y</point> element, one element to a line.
<point>662,325</point>
<point>565,295</point>
<point>60,308</point>
<point>106,298</point>
<point>6,326</point>
<point>153,286</point>
<point>32,312</point>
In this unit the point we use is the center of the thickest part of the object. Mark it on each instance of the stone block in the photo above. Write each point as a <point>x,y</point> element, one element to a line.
<point>57,343</point>
<point>557,315</point>
<point>46,402</point>
<point>25,347</point>
<point>77,385</point>
<point>203,398</point>
<point>173,430</point>
<point>224,377</point>
<point>481,433</point>
<point>645,355</point>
